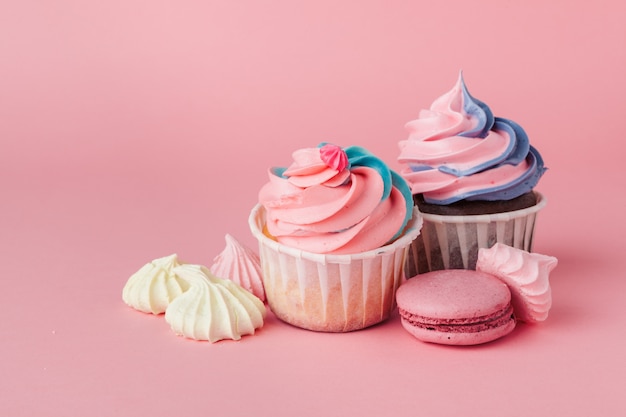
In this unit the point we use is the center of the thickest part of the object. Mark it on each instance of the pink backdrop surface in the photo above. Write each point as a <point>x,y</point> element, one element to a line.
<point>130,130</point>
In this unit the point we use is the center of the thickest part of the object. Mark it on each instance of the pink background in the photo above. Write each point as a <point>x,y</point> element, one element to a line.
<point>130,130</point>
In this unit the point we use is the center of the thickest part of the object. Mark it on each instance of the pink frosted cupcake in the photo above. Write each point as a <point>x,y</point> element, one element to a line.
<point>333,231</point>
<point>472,176</point>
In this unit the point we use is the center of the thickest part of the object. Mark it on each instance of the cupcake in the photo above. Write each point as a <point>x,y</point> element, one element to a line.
<point>333,230</point>
<point>472,176</point>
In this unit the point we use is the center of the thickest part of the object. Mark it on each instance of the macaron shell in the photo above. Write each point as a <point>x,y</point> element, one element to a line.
<point>460,339</point>
<point>453,294</point>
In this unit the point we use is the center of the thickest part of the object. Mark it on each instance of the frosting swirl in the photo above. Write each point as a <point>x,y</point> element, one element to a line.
<point>458,150</point>
<point>334,200</point>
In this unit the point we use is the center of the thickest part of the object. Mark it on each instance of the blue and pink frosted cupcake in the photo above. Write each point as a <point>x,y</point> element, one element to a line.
<point>472,176</point>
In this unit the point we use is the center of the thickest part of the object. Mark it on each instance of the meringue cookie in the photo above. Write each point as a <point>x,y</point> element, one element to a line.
<point>213,308</point>
<point>526,274</point>
<point>154,286</point>
<point>241,265</point>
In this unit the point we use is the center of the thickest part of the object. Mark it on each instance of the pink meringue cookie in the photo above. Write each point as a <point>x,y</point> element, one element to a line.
<point>527,276</point>
<point>241,265</point>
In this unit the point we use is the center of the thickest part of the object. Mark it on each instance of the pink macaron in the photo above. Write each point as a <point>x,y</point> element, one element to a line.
<point>456,307</point>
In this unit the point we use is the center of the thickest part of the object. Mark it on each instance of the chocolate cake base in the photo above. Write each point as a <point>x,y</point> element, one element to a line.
<point>465,207</point>
<point>452,235</point>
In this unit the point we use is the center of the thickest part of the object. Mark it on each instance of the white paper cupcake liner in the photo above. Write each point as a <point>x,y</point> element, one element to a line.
<point>331,293</point>
<point>452,242</point>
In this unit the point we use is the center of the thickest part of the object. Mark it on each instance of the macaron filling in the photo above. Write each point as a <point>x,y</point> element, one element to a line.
<point>460,325</point>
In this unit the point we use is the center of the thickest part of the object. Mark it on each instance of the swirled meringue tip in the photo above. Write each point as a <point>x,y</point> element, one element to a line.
<point>527,276</point>
<point>154,286</point>
<point>213,308</point>
<point>241,265</point>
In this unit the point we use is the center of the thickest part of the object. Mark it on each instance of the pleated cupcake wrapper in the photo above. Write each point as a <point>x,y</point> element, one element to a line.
<point>332,293</point>
<point>452,242</point>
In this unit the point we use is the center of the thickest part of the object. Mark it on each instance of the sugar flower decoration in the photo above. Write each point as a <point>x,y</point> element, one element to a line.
<point>334,157</point>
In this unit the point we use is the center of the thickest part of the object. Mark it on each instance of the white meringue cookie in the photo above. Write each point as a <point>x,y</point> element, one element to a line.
<point>213,308</point>
<point>154,286</point>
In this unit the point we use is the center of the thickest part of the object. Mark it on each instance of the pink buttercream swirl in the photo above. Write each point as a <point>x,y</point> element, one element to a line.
<point>323,204</point>
<point>308,169</point>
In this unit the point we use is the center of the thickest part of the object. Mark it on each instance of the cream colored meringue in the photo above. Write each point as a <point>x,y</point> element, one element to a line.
<point>241,265</point>
<point>213,308</point>
<point>527,276</point>
<point>154,286</point>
